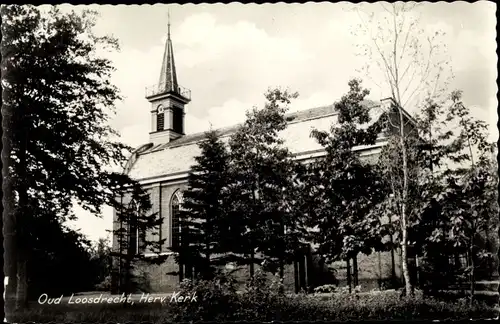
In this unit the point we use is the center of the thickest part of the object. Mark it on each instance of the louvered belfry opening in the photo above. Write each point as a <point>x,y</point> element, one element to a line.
<point>160,122</point>
<point>178,126</point>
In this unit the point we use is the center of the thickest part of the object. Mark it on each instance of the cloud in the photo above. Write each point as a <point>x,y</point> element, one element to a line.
<point>201,45</point>
<point>230,113</point>
<point>204,40</point>
<point>229,63</point>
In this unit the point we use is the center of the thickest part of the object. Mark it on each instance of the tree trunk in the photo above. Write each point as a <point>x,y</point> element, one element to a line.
<point>22,284</point>
<point>302,271</point>
<point>404,255</point>
<point>208,252</point>
<point>417,271</point>
<point>252,251</point>
<point>21,237</point>
<point>127,276</point>
<point>348,275</point>
<point>282,269</point>
<point>10,255</point>
<point>355,270</point>
<point>282,256</point>
<point>209,270</point>
<point>181,271</point>
<point>404,214</point>
<point>472,274</point>
<point>252,266</point>
<point>393,261</point>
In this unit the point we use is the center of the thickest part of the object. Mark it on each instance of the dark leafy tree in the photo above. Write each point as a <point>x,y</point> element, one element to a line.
<point>345,188</point>
<point>59,254</point>
<point>204,218</point>
<point>58,145</point>
<point>137,238</point>
<point>261,173</point>
<point>469,191</point>
<point>412,69</point>
<point>440,171</point>
<point>102,261</point>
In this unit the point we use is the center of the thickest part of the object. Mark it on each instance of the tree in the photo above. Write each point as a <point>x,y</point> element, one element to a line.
<point>445,180</point>
<point>57,101</point>
<point>203,220</point>
<point>260,166</point>
<point>410,68</point>
<point>469,196</point>
<point>401,57</point>
<point>137,237</point>
<point>348,186</point>
<point>432,155</point>
<point>102,262</point>
<point>60,254</point>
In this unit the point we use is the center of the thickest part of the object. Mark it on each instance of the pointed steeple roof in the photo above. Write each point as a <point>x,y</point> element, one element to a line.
<point>168,76</point>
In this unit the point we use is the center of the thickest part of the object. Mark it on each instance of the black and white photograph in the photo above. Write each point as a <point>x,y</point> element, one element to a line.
<point>328,161</point>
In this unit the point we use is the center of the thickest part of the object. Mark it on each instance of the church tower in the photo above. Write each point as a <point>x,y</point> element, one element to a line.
<point>167,100</point>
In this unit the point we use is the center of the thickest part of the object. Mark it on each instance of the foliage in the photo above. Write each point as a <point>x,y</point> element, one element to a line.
<point>264,303</point>
<point>214,297</point>
<point>457,201</point>
<point>443,180</point>
<point>59,116</point>
<point>136,235</point>
<point>57,105</point>
<point>100,256</point>
<point>261,181</point>
<point>412,67</point>
<point>217,301</point>
<point>204,218</point>
<point>326,289</point>
<point>348,187</point>
<point>59,255</point>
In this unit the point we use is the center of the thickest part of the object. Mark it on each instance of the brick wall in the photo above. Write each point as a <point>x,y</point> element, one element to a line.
<point>374,269</point>
<point>157,277</point>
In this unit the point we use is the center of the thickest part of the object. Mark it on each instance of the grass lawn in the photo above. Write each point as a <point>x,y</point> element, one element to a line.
<point>329,307</point>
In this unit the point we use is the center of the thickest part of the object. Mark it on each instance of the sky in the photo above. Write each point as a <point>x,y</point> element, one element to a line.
<point>228,55</point>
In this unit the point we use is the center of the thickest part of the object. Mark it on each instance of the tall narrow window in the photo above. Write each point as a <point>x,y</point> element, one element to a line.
<point>137,234</point>
<point>160,119</point>
<point>176,224</point>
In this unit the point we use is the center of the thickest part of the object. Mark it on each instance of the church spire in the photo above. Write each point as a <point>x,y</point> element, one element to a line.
<point>167,99</point>
<point>168,76</point>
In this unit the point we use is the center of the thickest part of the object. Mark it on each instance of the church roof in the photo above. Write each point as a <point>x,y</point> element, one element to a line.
<point>178,155</point>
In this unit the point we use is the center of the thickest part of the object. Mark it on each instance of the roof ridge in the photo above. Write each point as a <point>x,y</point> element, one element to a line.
<point>301,115</point>
<point>226,130</point>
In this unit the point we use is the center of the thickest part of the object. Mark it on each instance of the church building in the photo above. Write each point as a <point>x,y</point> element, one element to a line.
<point>162,166</point>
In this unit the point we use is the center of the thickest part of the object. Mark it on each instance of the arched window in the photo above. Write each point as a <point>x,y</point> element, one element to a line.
<point>160,118</point>
<point>137,235</point>
<point>176,224</point>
